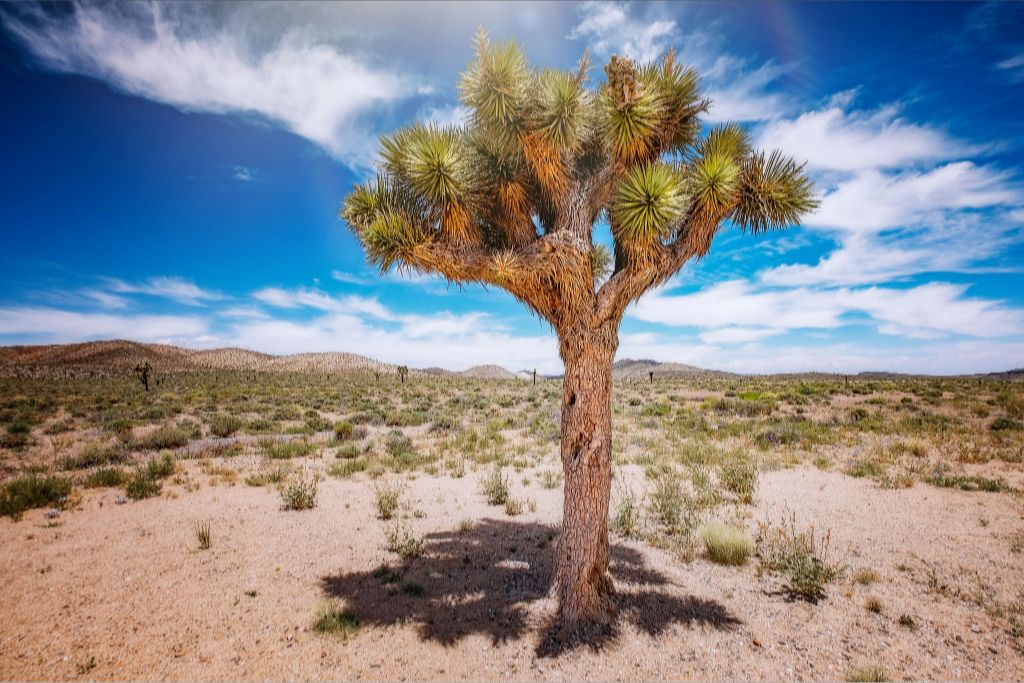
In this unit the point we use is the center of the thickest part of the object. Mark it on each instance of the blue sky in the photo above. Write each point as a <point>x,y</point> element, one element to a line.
<point>173,173</point>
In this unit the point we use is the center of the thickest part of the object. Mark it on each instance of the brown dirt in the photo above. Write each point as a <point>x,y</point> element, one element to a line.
<point>126,586</point>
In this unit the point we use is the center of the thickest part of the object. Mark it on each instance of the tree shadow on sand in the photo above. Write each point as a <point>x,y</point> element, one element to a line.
<point>482,580</point>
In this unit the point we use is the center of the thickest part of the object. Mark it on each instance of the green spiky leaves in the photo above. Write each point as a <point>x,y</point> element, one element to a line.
<point>390,238</point>
<point>715,172</point>
<point>601,262</point>
<point>431,159</point>
<point>561,108</point>
<point>647,202</point>
<point>381,216</point>
<point>496,87</point>
<point>630,110</point>
<point>543,152</point>
<point>775,193</point>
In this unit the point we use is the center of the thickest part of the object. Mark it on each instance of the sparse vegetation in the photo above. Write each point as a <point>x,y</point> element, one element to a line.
<point>300,493</point>
<point>494,487</point>
<point>202,531</point>
<point>335,622</point>
<point>800,556</point>
<point>32,491</point>
<point>726,544</point>
<point>387,495</point>
<point>402,541</point>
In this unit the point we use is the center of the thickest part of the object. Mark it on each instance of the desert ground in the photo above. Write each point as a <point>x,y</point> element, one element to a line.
<point>260,518</point>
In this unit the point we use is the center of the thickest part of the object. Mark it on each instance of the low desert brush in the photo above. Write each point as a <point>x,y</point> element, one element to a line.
<point>726,544</point>
<point>387,496</point>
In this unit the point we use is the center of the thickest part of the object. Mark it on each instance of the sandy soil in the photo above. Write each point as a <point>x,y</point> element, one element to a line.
<point>126,587</point>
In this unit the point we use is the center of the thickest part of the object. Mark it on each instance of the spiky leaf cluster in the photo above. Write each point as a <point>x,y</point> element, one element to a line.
<point>545,153</point>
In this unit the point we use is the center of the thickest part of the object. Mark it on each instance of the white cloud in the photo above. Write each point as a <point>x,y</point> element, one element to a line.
<point>738,88</point>
<point>451,115</point>
<point>874,201</point>
<point>174,288</point>
<point>899,197</point>
<point>1013,66</point>
<point>833,138</point>
<point>738,335</point>
<point>348,278</point>
<point>164,53</point>
<point>739,92</point>
<point>53,325</point>
<point>244,173</point>
<point>929,309</point>
<point>608,27</point>
<point>445,340</point>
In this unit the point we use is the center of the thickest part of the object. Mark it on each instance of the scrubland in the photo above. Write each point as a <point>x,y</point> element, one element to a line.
<point>256,525</point>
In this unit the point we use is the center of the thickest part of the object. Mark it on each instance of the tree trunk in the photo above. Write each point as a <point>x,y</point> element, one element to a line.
<point>582,584</point>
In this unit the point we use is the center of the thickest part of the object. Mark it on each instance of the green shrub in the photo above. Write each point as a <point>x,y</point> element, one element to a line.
<point>966,482</point>
<point>343,430</point>
<point>494,487</point>
<point>141,485</point>
<point>1004,424</point>
<point>867,674</point>
<point>300,494</point>
<point>335,622</point>
<point>404,542</point>
<point>800,556</point>
<point>627,517</point>
<point>739,476</point>
<point>285,450</point>
<point>387,495</point>
<point>398,444</point>
<point>32,491</point>
<point>202,531</point>
<point>106,477</point>
<point>160,467</point>
<point>168,436</point>
<point>725,544</point>
<point>224,425</point>
<point>669,502</point>
<point>93,455</point>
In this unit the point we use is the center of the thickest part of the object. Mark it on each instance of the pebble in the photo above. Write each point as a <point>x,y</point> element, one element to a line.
<point>120,500</point>
<point>52,513</point>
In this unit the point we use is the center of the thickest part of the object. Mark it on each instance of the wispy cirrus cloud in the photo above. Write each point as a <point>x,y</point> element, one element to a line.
<point>167,287</point>
<point>177,56</point>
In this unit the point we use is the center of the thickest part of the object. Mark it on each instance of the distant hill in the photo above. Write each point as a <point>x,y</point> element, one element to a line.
<point>640,369</point>
<point>120,356</point>
<point>1016,375</point>
<point>489,372</point>
<point>106,357</point>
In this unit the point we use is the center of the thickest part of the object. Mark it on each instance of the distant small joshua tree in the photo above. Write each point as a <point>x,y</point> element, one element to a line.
<point>650,374</point>
<point>535,376</point>
<point>143,371</point>
<point>403,370</point>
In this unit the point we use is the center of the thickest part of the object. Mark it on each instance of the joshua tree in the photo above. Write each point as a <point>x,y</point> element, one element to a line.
<point>403,371</point>
<point>650,376</point>
<point>143,370</point>
<point>511,199</point>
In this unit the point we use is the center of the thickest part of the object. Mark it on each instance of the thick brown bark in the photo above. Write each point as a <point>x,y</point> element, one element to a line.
<point>582,584</point>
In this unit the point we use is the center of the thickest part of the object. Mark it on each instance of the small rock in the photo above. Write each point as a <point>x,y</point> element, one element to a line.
<point>52,513</point>
<point>120,500</point>
<point>756,642</point>
<point>975,628</point>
